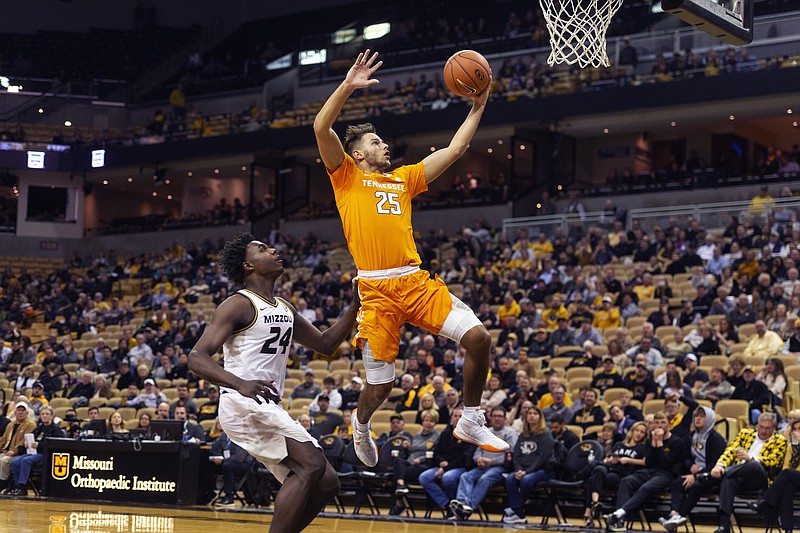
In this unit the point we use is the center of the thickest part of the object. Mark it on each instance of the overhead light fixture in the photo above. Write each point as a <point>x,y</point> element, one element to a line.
<point>343,36</point>
<point>312,57</point>
<point>376,31</point>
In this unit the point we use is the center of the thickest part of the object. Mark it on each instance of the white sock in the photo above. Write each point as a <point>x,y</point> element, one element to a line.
<point>470,413</point>
<point>361,428</point>
<point>619,513</point>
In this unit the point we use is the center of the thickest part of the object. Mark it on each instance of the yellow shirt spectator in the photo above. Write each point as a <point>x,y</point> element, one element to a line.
<point>761,202</point>
<point>510,307</point>
<point>764,344</point>
<point>645,292</point>
<point>547,400</point>
<point>542,247</point>
<point>551,316</point>
<point>748,267</point>
<point>607,317</point>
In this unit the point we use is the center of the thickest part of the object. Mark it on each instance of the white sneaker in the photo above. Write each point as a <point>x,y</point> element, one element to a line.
<point>366,449</point>
<point>476,432</point>
<point>515,519</point>
<point>461,510</point>
<point>673,522</point>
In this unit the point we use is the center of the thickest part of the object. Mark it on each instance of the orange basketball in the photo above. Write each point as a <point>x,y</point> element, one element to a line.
<point>467,73</point>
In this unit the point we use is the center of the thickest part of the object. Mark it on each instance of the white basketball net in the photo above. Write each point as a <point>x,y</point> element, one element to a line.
<point>578,30</point>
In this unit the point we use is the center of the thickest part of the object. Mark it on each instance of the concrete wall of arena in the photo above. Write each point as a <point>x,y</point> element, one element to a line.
<point>449,220</point>
<point>122,245</point>
<point>71,229</point>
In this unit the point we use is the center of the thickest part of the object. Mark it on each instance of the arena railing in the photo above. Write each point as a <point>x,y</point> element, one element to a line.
<point>568,224</point>
<point>712,216</point>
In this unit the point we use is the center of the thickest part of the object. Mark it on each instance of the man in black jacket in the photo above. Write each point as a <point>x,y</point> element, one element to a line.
<point>562,433</point>
<point>664,457</point>
<point>705,445</point>
<point>453,458</point>
<point>351,394</point>
<point>235,462</point>
<point>753,391</point>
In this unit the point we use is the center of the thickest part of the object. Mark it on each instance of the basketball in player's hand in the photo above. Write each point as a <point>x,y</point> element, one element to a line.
<point>467,73</point>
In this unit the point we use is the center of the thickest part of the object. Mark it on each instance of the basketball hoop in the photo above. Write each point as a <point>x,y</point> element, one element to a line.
<point>578,30</point>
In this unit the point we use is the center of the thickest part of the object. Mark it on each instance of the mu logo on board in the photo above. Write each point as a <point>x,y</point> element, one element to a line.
<point>60,466</point>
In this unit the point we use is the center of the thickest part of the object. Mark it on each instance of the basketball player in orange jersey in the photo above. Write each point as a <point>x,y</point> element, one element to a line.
<point>255,331</point>
<point>375,206</point>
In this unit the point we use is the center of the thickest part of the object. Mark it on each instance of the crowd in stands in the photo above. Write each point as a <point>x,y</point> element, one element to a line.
<point>593,330</point>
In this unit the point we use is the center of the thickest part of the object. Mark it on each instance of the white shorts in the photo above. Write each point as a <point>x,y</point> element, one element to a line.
<point>261,430</point>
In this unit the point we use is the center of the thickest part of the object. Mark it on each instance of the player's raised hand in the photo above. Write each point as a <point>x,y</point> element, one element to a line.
<point>257,389</point>
<point>360,74</point>
<point>483,97</point>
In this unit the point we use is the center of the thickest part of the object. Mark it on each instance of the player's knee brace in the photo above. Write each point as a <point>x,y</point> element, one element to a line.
<point>378,372</point>
<point>460,320</point>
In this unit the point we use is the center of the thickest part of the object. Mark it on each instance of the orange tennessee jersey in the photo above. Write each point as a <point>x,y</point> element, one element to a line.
<point>376,213</point>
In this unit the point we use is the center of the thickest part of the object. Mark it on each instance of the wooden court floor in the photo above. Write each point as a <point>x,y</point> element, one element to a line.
<point>47,516</point>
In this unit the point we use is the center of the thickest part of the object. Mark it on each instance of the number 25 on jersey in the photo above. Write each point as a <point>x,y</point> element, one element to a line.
<point>387,203</point>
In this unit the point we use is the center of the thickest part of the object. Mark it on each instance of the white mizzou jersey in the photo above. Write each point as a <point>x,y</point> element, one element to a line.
<point>260,350</point>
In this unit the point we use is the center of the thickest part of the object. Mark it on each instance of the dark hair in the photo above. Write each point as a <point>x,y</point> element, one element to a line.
<point>353,134</point>
<point>779,370</point>
<point>557,418</point>
<point>233,256</point>
<point>672,375</point>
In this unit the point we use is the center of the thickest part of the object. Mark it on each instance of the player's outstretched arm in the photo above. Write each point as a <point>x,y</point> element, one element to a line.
<point>328,341</point>
<point>440,160</point>
<point>358,77</point>
<point>230,314</point>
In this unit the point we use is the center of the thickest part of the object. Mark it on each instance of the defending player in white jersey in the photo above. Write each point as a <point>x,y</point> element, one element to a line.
<point>255,330</point>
